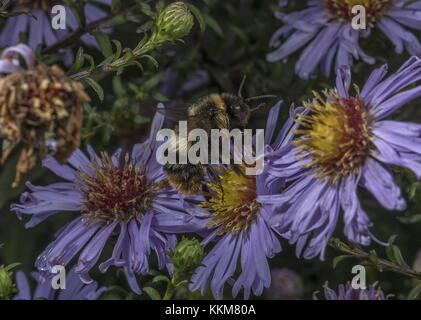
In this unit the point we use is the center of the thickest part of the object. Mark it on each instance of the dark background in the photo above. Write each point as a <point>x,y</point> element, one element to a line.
<point>234,45</point>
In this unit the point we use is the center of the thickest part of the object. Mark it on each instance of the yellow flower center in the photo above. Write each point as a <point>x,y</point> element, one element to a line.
<point>115,192</point>
<point>233,206</point>
<point>342,9</point>
<point>336,135</point>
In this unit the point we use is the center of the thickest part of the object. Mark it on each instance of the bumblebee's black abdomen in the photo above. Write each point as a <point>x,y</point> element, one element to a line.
<point>187,178</point>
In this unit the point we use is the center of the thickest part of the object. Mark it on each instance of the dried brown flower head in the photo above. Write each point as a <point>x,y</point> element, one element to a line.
<point>42,109</point>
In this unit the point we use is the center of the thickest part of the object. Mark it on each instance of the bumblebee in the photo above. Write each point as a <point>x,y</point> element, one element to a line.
<point>215,111</point>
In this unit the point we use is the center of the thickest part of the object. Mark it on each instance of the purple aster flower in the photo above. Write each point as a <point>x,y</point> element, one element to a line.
<point>325,30</point>
<point>237,218</point>
<point>345,143</point>
<point>118,195</point>
<point>75,288</point>
<point>40,31</point>
<point>346,292</point>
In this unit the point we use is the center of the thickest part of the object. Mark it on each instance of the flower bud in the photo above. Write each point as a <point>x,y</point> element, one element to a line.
<point>174,22</point>
<point>186,257</point>
<point>7,287</point>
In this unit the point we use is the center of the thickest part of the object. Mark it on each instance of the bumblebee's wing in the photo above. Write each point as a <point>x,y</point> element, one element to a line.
<point>174,113</point>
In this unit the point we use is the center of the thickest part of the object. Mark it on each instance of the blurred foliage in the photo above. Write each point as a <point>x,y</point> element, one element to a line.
<point>233,45</point>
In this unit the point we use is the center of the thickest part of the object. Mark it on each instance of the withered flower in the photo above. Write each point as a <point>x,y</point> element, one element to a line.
<point>40,109</point>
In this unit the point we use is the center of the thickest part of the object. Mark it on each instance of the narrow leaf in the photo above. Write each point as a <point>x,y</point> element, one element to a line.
<point>152,293</point>
<point>96,87</point>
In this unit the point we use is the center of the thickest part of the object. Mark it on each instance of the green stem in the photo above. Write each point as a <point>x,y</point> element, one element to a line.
<point>170,290</point>
<point>383,263</point>
<point>137,53</point>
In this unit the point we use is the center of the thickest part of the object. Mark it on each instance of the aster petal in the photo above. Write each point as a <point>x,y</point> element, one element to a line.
<point>70,241</point>
<point>92,251</point>
<point>356,221</point>
<point>379,181</point>
<point>63,171</point>
<point>21,49</point>
<point>23,287</point>
<point>387,154</point>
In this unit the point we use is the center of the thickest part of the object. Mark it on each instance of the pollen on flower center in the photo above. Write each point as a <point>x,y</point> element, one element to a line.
<point>115,192</point>
<point>342,9</point>
<point>37,4</point>
<point>233,206</point>
<point>336,135</point>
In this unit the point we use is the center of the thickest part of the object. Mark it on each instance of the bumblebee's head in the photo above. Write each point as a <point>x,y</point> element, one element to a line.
<point>238,110</point>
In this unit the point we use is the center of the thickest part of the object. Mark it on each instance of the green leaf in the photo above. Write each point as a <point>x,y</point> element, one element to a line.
<point>411,219</point>
<point>213,24</point>
<point>394,254</point>
<point>372,256</point>
<point>91,61</point>
<point>146,9</point>
<point>198,15</point>
<point>152,293</point>
<point>137,64</point>
<point>119,48</point>
<point>338,259</point>
<point>79,61</point>
<point>115,5</point>
<point>160,278</point>
<point>118,87</point>
<point>151,59</point>
<point>392,239</point>
<point>78,10</point>
<point>97,88</point>
<point>415,292</point>
<point>104,42</point>
<point>12,266</point>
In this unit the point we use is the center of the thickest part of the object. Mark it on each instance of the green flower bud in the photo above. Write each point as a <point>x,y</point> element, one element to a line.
<point>186,257</point>
<point>7,287</point>
<point>174,22</point>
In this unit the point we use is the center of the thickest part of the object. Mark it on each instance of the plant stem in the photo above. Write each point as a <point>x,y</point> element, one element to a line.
<point>108,67</point>
<point>170,291</point>
<point>383,263</point>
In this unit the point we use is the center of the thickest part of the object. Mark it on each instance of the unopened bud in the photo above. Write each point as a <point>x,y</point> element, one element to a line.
<point>186,257</point>
<point>7,287</point>
<point>174,22</point>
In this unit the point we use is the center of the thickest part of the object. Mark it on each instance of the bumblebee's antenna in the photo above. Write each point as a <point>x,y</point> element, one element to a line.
<point>257,108</point>
<point>268,96</point>
<point>240,90</point>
